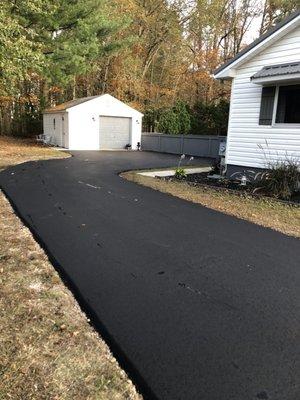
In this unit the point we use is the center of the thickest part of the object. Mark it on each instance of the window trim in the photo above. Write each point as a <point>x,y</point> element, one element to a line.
<point>282,124</point>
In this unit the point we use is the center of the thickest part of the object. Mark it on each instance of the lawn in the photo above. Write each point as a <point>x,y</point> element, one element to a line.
<point>15,151</point>
<point>48,350</point>
<point>262,211</point>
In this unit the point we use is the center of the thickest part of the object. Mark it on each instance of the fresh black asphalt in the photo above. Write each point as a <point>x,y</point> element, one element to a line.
<point>195,304</point>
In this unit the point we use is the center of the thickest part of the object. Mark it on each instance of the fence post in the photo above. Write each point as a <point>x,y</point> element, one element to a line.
<point>209,147</point>
<point>182,144</point>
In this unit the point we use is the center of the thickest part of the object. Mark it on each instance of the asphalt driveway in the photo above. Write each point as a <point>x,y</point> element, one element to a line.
<point>195,304</point>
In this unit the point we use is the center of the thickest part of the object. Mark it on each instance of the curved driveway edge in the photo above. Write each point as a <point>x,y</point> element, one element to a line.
<point>195,304</point>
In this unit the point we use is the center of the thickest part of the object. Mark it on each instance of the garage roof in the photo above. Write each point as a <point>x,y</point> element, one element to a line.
<point>69,104</point>
<point>105,98</point>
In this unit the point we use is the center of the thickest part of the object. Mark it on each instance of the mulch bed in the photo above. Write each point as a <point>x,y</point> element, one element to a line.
<point>201,179</point>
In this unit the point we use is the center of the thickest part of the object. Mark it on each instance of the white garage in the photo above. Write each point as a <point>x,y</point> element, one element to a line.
<point>93,123</point>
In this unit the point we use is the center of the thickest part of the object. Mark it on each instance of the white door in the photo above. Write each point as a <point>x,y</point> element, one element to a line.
<point>115,132</point>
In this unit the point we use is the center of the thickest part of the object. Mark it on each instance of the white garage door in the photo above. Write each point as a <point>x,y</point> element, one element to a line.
<point>114,132</point>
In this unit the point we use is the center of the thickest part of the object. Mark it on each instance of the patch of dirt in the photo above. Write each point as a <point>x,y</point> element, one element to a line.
<point>263,211</point>
<point>15,151</point>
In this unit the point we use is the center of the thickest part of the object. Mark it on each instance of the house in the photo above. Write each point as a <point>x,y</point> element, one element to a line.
<point>264,120</point>
<point>93,123</point>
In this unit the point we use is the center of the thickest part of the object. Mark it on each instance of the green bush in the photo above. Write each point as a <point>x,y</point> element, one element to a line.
<point>150,119</point>
<point>281,180</point>
<point>210,119</point>
<point>200,119</point>
<point>169,123</point>
<point>175,120</point>
<point>180,173</point>
<point>184,117</point>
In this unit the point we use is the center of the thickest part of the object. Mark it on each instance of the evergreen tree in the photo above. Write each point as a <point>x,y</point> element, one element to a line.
<point>78,33</point>
<point>169,123</point>
<point>20,49</point>
<point>184,118</point>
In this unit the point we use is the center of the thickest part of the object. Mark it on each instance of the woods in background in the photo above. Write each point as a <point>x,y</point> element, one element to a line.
<point>156,55</point>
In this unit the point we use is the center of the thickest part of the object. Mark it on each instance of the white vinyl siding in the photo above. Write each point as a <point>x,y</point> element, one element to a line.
<point>54,130</point>
<point>249,143</point>
<point>82,124</point>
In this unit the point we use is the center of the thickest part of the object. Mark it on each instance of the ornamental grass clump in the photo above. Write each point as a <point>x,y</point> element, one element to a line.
<point>180,172</point>
<point>281,180</point>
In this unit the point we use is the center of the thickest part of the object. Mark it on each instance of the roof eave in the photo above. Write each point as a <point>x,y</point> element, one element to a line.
<point>276,79</point>
<point>54,111</point>
<point>226,74</point>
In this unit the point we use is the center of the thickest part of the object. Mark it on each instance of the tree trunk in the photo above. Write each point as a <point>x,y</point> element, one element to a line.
<point>74,88</point>
<point>105,78</point>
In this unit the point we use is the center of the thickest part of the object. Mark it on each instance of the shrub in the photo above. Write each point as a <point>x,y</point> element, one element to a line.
<point>169,123</point>
<point>180,173</point>
<point>150,120</point>
<point>209,118</point>
<point>175,120</point>
<point>184,117</point>
<point>200,119</point>
<point>281,179</point>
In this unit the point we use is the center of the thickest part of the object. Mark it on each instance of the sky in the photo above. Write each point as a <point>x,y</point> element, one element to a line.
<point>253,31</point>
<point>254,28</point>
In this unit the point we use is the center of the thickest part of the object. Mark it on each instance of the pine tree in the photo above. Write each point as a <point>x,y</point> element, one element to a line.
<point>20,49</point>
<point>78,33</point>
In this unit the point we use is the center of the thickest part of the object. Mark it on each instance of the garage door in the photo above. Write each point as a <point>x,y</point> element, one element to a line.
<point>114,132</point>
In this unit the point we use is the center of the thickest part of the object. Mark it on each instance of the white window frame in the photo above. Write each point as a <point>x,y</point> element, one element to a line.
<point>282,124</point>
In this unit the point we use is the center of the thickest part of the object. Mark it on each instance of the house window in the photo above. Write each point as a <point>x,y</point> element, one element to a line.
<point>267,105</point>
<point>288,105</point>
<point>53,123</point>
<point>280,105</point>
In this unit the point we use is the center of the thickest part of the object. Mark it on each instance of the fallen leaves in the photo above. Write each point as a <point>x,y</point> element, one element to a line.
<point>48,350</point>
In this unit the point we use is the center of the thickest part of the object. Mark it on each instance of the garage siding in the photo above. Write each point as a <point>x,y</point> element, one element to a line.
<point>103,122</point>
<point>53,127</point>
<point>115,132</point>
